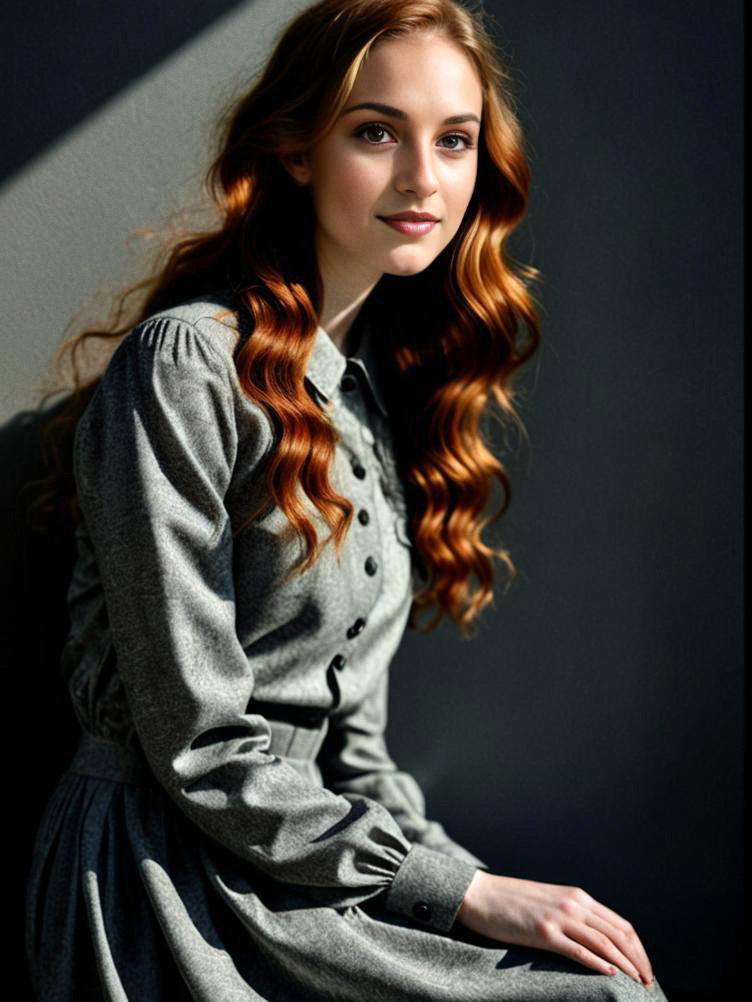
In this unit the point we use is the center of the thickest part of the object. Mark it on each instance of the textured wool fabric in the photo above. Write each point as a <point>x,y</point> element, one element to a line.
<point>232,825</point>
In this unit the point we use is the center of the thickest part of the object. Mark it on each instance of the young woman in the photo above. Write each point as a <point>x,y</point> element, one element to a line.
<point>280,466</point>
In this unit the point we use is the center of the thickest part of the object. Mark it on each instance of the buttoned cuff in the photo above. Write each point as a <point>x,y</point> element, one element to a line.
<point>429,886</point>
<point>457,851</point>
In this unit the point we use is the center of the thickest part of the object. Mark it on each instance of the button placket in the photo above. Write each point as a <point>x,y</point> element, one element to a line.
<point>384,469</point>
<point>357,440</point>
<point>370,565</point>
<point>363,514</point>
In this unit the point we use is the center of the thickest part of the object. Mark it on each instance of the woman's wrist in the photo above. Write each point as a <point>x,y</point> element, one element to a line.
<point>469,904</point>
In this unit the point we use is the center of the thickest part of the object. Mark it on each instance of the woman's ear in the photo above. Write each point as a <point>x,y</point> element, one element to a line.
<point>296,165</point>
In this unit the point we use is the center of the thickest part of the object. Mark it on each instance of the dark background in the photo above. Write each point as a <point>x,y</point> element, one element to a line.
<point>591,733</point>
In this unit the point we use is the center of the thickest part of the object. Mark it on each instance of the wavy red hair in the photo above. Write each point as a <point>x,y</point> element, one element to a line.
<point>459,331</point>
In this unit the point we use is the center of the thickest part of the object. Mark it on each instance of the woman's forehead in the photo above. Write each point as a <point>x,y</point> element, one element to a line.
<point>417,73</point>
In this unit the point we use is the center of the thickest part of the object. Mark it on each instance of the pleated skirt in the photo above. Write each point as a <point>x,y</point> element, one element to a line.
<point>127,901</point>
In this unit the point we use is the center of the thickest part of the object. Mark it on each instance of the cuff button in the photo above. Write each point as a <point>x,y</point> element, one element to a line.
<point>422,911</point>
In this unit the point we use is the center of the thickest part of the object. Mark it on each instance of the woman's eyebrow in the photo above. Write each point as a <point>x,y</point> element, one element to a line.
<point>387,109</point>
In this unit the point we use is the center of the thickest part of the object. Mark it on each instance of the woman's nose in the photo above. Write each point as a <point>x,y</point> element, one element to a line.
<point>415,171</point>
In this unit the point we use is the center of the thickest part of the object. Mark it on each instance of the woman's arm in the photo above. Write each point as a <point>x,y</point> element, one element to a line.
<point>355,759</point>
<point>154,454</point>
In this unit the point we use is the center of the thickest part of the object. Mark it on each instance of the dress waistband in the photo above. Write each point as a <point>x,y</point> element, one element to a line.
<point>104,759</point>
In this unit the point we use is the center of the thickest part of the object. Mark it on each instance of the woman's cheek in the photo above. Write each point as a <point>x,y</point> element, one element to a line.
<point>359,186</point>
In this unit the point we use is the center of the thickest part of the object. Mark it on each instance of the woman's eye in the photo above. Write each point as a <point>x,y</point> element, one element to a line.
<point>374,128</point>
<point>363,130</point>
<point>465,139</point>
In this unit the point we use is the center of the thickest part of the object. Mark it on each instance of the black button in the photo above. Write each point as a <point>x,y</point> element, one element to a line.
<point>363,517</point>
<point>371,566</point>
<point>357,626</point>
<point>422,911</point>
<point>338,661</point>
<point>359,471</point>
<point>348,383</point>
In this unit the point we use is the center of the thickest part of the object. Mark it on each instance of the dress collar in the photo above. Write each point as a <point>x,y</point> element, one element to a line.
<point>327,365</point>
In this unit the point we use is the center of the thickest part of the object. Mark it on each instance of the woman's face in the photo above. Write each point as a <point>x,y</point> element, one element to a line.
<point>378,162</point>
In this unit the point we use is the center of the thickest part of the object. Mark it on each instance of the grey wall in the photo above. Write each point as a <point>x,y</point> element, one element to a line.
<point>591,733</point>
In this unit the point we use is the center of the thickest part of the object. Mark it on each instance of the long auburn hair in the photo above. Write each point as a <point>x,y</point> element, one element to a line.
<point>458,331</point>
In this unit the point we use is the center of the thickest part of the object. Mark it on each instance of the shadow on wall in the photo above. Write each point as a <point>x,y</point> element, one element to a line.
<point>41,728</point>
<point>60,64</point>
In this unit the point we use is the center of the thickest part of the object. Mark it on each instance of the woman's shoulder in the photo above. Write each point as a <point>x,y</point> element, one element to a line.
<point>180,360</point>
<point>204,330</point>
<point>172,383</point>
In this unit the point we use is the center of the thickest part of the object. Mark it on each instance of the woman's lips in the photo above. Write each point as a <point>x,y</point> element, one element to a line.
<point>411,227</point>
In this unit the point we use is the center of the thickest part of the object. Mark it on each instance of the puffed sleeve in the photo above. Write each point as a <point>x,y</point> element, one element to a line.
<point>355,759</point>
<point>154,454</point>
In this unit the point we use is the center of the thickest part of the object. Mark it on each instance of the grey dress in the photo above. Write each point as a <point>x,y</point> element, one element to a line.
<point>232,826</point>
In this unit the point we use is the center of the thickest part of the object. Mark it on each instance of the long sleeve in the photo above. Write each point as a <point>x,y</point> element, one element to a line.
<point>356,760</point>
<point>154,455</point>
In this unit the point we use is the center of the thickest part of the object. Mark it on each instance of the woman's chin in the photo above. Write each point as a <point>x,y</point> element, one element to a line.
<point>407,264</point>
